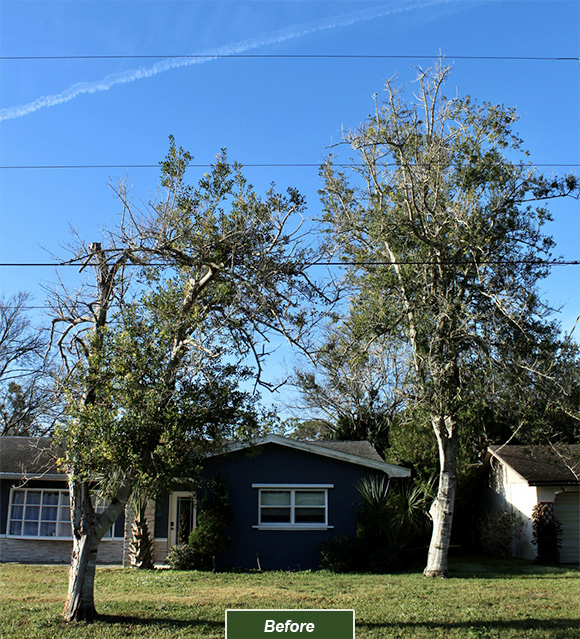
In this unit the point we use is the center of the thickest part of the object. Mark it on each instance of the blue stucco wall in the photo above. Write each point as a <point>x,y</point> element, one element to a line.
<point>275,464</point>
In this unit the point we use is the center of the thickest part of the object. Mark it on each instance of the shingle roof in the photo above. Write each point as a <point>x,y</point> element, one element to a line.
<point>27,455</point>
<point>360,453</point>
<point>542,464</point>
<point>360,449</point>
<point>34,455</point>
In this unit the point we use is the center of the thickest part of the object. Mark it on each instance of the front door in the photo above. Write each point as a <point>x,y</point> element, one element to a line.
<point>181,517</point>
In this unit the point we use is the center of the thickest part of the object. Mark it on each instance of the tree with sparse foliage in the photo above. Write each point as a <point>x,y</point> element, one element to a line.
<point>442,222</point>
<point>214,270</point>
<point>354,388</point>
<point>27,402</point>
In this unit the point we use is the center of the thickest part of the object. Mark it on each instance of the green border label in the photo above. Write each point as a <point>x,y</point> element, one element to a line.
<point>289,624</point>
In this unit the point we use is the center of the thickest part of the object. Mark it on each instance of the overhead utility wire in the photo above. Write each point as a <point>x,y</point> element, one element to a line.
<point>249,166</point>
<point>323,56</point>
<point>330,263</point>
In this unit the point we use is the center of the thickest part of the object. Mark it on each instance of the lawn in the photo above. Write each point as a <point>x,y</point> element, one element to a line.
<point>483,599</point>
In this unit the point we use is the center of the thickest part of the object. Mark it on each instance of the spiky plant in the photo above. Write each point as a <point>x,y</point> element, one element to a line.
<point>141,546</point>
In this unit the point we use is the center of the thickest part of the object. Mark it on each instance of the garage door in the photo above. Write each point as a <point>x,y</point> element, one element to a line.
<point>567,510</point>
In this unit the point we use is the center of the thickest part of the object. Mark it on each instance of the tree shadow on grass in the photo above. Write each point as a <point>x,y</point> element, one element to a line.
<point>166,622</point>
<point>530,623</point>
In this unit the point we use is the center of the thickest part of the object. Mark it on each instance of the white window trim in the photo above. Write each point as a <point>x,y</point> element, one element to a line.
<point>13,489</point>
<point>292,488</point>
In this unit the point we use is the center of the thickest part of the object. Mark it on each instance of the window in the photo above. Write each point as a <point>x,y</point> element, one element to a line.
<point>299,506</point>
<point>39,513</point>
<point>43,513</point>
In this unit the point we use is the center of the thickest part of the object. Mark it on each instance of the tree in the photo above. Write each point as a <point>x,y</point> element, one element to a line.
<point>215,269</point>
<point>27,403</point>
<point>353,388</point>
<point>442,224</point>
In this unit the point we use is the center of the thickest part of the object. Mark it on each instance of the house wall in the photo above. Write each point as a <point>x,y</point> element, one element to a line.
<point>57,551</point>
<point>49,551</point>
<point>274,464</point>
<point>511,493</point>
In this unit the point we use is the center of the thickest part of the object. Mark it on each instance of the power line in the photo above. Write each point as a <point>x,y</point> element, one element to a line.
<point>255,165</point>
<point>290,56</point>
<point>329,263</point>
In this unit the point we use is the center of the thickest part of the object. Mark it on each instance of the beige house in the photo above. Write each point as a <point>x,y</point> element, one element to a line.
<point>523,476</point>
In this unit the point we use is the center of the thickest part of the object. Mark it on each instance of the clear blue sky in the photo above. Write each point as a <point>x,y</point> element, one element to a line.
<point>265,111</point>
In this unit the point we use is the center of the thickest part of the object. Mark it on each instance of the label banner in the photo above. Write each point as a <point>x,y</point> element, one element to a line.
<point>289,624</point>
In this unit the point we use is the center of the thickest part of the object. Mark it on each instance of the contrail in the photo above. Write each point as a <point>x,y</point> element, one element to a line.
<point>241,47</point>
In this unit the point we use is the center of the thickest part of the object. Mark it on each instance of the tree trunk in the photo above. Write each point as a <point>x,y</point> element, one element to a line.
<point>441,511</point>
<point>80,602</point>
<point>88,529</point>
<point>141,546</point>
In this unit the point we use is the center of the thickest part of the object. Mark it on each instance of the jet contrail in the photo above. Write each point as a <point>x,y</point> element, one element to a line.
<point>235,48</point>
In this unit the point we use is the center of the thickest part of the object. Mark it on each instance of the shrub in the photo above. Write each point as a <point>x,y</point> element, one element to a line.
<point>210,537</point>
<point>341,554</point>
<point>546,533</point>
<point>497,530</point>
<point>182,557</point>
<point>391,524</point>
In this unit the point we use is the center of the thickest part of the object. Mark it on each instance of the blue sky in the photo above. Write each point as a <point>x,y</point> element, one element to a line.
<point>265,111</point>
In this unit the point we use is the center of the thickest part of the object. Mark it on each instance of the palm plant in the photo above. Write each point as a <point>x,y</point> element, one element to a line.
<point>141,546</point>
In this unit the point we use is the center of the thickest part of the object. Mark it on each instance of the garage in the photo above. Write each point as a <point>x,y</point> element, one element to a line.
<point>567,511</point>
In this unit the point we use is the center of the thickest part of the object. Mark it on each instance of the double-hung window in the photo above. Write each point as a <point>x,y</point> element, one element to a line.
<point>297,506</point>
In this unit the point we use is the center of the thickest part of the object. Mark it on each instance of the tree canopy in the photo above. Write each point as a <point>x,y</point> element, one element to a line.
<point>185,292</point>
<point>442,222</point>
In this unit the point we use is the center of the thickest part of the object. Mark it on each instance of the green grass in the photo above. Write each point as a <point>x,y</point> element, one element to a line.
<point>485,598</point>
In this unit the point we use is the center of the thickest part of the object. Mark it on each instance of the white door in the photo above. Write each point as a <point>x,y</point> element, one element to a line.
<point>567,511</point>
<point>181,517</point>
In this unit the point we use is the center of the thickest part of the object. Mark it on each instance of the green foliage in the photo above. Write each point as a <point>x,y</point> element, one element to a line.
<point>182,557</point>
<point>392,528</point>
<point>547,532</point>
<point>209,537</point>
<point>497,530</point>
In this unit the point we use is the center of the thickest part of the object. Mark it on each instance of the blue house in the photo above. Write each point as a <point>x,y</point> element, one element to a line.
<point>286,497</point>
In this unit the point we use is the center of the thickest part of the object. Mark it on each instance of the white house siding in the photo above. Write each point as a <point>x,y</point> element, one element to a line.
<point>511,493</point>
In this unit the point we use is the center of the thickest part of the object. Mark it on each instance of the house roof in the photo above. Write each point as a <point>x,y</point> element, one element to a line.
<point>34,456</point>
<point>541,465</point>
<point>27,456</point>
<point>354,452</point>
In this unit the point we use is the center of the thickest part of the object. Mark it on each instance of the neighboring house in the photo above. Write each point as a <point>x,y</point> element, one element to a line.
<point>523,476</point>
<point>286,496</point>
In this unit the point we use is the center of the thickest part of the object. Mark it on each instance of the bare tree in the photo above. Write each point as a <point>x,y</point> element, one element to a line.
<point>27,405</point>
<point>355,387</point>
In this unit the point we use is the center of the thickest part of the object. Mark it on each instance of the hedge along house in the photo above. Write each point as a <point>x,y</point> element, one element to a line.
<point>523,476</point>
<point>286,497</point>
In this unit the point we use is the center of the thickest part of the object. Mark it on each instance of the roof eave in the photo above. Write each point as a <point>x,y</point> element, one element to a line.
<point>389,469</point>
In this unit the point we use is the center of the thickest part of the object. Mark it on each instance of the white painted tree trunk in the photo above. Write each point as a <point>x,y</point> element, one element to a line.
<point>442,508</point>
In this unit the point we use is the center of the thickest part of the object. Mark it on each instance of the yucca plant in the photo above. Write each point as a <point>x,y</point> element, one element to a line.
<point>390,519</point>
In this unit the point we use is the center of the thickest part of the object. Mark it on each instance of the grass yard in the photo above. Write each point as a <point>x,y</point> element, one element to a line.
<point>484,599</point>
